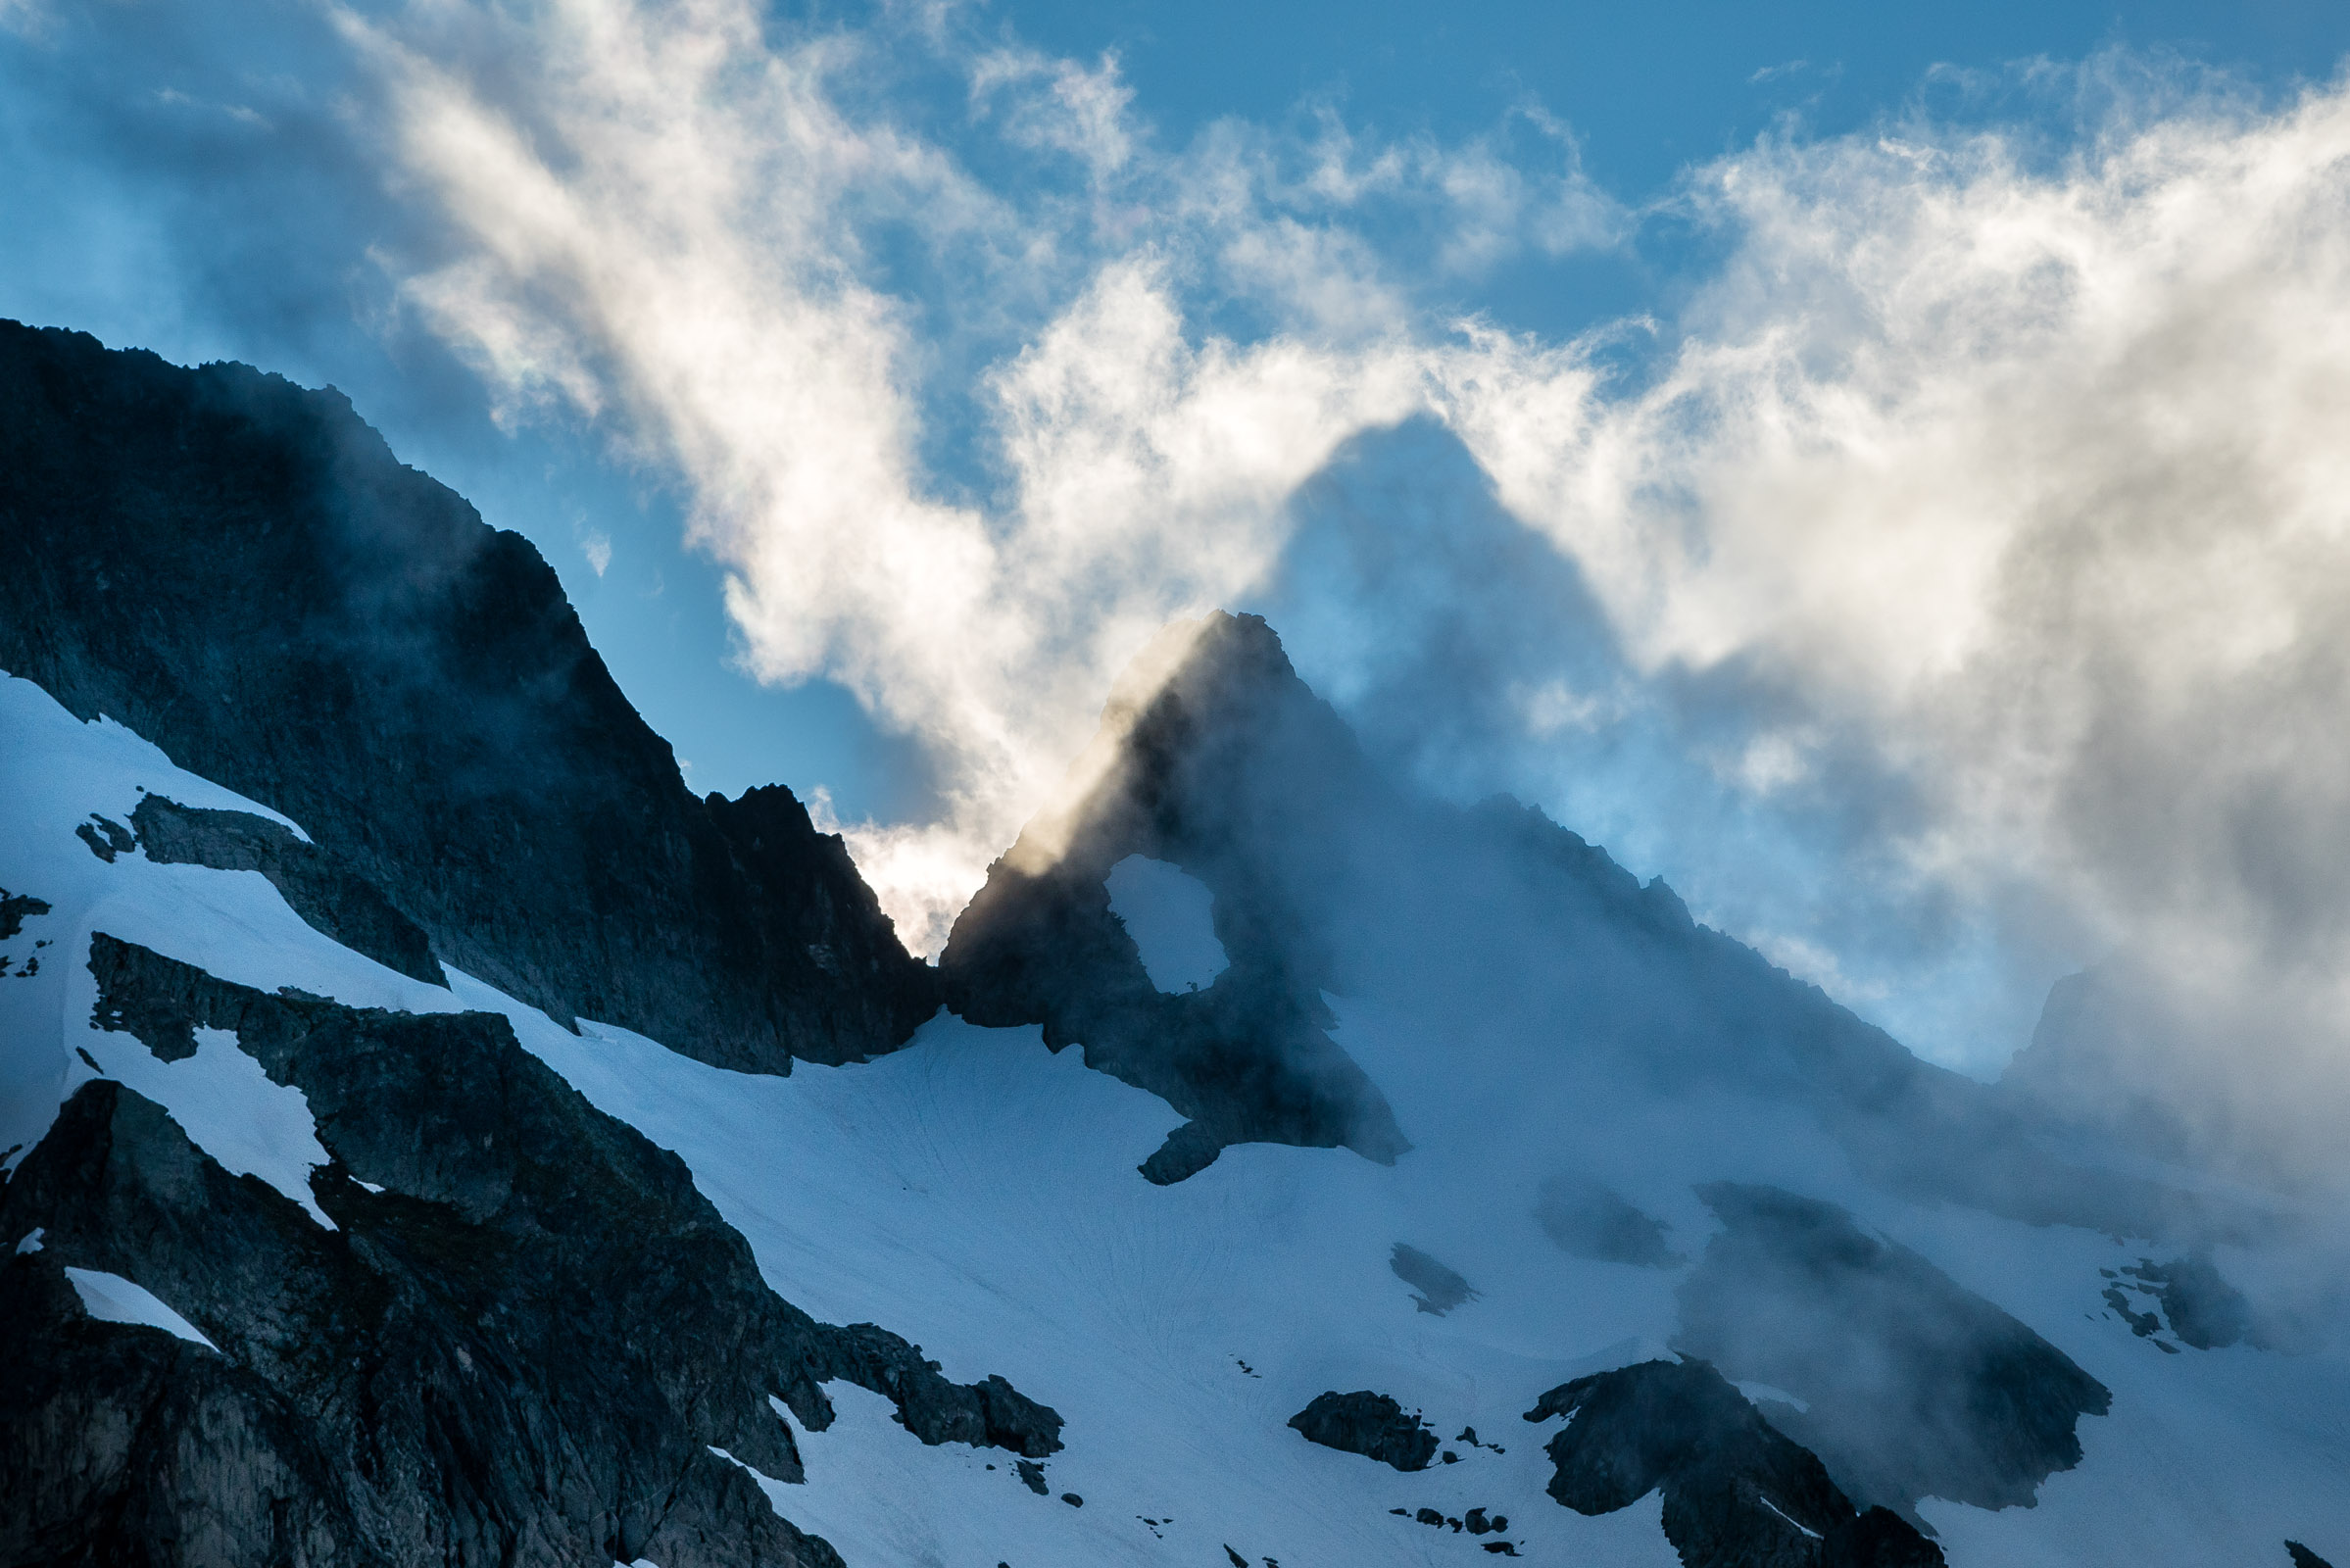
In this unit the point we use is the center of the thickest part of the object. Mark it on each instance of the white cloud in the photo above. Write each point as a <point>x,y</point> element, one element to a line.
<point>2034,480</point>
<point>656,223</point>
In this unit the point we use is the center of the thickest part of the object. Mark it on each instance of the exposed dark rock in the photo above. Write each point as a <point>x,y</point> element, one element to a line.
<point>1189,1150</point>
<point>16,909</point>
<point>989,1413</point>
<point>1916,1387</point>
<point>1439,1288</point>
<point>1369,1424</point>
<point>1032,1476</point>
<point>2303,1557</point>
<point>328,895</point>
<point>106,837</point>
<point>242,572</point>
<point>1205,762</point>
<point>1072,1499</point>
<point>1737,1494</point>
<point>2145,1325</point>
<point>520,1351</point>
<point>1587,1218</point>
<point>1879,1538</point>
<point>2204,1311</point>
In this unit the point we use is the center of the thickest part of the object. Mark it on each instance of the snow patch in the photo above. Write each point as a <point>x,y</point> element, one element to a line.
<point>56,774</point>
<point>1170,915</point>
<point>1762,1393</point>
<point>228,1106</point>
<point>31,1241</point>
<point>112,1298</point>
<point>1791,1519</point>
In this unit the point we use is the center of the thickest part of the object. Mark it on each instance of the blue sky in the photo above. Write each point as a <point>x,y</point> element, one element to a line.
<point>1748,432</point>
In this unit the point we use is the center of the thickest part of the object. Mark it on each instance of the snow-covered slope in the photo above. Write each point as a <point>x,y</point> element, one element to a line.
<point>979,1193</point>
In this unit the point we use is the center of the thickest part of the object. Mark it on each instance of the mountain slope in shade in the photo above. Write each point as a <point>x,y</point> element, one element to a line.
<point>242,572</point>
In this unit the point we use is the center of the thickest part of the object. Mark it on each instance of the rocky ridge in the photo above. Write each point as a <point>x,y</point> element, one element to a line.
<point>241,572</point>
<point>520,1342</point>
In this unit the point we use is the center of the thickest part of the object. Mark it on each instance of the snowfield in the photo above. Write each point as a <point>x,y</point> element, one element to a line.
<point>978,1193</point>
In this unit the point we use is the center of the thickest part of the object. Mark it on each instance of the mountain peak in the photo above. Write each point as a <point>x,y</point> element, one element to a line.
<point>1211,747</point>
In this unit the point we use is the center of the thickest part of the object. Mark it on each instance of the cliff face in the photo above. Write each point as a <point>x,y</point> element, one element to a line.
<point>241,572</point>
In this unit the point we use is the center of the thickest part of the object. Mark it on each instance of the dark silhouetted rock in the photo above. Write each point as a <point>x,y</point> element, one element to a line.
<point>1204,754</point>
<point>1032,1476</point>
<point>241,572</point>
<point>1916,1387</point>
<point>1439,1288</point>
<point>1879,1538</point>
<point>1737,1494</point>
<point>16,909</point>
<point>1369,1424</point>
<point>106,837</point>
<point>522,1350</point>
<point>2303,1557</point>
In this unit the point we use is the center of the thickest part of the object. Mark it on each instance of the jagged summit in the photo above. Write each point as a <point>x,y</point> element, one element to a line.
<point>1202,765</point>
<point>241,572</point>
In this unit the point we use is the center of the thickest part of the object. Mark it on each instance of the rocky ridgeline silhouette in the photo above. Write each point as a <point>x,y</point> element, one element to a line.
<point>241,572</point>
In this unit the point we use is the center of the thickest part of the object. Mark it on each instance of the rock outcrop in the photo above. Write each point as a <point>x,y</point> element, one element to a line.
<point>241,572</point>
<point>1370,1424</point>
<point>520,1344</point>
<point>1913,1384</point>
<point>1736,1492</point>
<point>2194,1302</point>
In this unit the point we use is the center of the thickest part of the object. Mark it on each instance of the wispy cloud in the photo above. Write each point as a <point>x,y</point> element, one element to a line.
<point>665,218</point>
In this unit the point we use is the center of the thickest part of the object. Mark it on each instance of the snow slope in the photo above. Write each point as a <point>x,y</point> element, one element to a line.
<point>978,1193</point>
